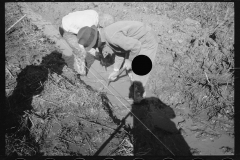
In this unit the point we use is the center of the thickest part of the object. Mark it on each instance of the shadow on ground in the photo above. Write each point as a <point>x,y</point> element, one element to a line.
<point>153,113</point>
<point>29,83</point>
<point>162,137</point>
<point>156,134</point>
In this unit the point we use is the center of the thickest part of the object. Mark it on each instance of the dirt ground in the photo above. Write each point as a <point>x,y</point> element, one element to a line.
<point>189,107</point>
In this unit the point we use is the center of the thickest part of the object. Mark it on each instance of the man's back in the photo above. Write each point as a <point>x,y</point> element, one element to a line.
<point>134,29</point>
<point>76,20</point>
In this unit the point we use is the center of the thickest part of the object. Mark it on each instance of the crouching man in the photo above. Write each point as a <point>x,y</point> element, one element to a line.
<point>71,25</point>
<point>122,37</point>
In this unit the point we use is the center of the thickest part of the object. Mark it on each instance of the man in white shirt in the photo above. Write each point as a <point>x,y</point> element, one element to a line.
<point>74,21</point>
<point>71,24</point>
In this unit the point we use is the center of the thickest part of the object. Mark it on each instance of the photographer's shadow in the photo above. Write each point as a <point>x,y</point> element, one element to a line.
<point>153,132</point>
<point>30,82</point>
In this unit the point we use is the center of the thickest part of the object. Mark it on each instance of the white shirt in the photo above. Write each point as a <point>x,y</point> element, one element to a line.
<point>74,21</point>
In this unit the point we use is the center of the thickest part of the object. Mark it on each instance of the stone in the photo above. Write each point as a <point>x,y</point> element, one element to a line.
<point>190,21</point>
<point>180,41</point>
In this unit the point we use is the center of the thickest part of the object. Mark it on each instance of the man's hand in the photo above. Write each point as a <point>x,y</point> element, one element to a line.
<point>92,51</point>
<point>127,64</point>
<point>113,75</point>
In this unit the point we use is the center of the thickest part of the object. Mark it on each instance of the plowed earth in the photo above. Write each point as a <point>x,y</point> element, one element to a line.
<point>189,107</point>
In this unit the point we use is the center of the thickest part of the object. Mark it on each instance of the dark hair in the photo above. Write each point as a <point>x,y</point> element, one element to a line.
<point>108,60</point>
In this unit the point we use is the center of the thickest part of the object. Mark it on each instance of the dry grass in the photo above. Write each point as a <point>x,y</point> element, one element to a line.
<point>55,112</point>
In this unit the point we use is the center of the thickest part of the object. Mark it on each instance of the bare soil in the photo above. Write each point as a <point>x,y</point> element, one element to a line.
<point>189,106</point>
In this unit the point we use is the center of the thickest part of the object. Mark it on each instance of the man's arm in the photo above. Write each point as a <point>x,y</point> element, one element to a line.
<point>118,63</point>
<point>128,44</point>
<point>73,42</point>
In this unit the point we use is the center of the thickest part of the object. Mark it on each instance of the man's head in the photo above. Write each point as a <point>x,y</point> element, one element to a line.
<point>106,50</point>
<point>108,60</point>
<point>89,37</point>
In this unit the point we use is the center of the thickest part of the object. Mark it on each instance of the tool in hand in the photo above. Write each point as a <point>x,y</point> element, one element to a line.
<point>120,72</point>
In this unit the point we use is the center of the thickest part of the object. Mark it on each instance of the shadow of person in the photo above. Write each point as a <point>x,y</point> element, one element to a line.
<point>161,137</point>
<point>29,83</point>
